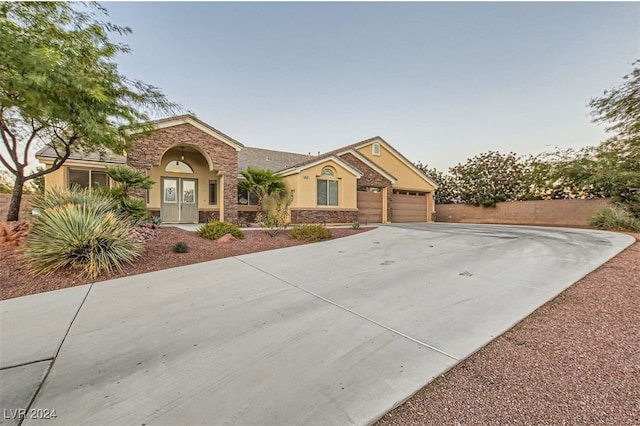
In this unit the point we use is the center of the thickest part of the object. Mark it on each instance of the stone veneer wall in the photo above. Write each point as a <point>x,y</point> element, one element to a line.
<point>371,178</point>
<point>246,217</point>
<point>205,216</point>
<point>148,152</point>
<point>323,216</point>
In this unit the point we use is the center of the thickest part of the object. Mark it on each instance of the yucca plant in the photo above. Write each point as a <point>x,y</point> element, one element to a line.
<point>88,237</point>
<point>615,218</point>
<point>56,197</point>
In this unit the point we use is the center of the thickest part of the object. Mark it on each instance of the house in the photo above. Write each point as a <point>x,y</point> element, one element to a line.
<point>196,167</point>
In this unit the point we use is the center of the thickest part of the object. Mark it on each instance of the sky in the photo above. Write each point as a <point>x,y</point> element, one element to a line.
<point>441,82</point>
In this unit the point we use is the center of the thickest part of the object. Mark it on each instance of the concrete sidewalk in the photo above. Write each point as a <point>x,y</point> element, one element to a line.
<point>329,333</point>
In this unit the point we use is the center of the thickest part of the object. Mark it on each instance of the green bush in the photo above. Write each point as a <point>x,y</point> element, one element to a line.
<point>310,233</point>
<point>214,230</point>
<point>135,208</point>
<point>180,247</point>
<point>615,218</point>
<point>89,237</point>
<point>355,224</point>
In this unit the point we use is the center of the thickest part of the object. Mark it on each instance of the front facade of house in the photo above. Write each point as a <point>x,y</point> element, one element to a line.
<point>196,168</point>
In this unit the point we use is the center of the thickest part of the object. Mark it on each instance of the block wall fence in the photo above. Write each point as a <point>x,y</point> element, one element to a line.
<point>538,212</point>
<point>25,207</point>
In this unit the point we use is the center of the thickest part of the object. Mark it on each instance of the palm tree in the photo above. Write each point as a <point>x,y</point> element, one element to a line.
<point>261,183</point>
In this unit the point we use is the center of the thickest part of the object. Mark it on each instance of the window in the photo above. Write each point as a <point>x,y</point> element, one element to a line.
<point>327,192</point>
<point>213,192</point>
<point>327,171</point>
<point>178,167</point>
<point>170,190</point>
<point>87,178</point>
<point>375,149</point>
<point>245,199</point>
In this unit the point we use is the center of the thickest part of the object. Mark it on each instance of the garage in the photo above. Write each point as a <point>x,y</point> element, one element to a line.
<point>370,206</point>
<point>409,206</point>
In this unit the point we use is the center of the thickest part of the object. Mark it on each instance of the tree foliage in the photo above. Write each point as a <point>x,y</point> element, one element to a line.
<point>619,108</point>
<point>489,178</point>
<point>60,86</point>
<point>128,178</point>
<point>611,169</point>
<point>447,188</point>
<point>261,183</point>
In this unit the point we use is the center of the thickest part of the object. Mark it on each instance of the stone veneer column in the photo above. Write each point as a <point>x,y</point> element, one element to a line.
<point>149,149</point>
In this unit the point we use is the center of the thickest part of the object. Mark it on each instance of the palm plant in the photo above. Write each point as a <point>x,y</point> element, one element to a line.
<point>261,183</point>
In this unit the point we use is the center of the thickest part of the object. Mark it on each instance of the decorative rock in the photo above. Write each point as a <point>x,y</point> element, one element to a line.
<point>143,233</point>
<point>226,238</point>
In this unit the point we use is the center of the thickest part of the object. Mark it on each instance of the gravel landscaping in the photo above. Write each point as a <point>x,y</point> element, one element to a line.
<point>575,361</point>
<point>16,280</point>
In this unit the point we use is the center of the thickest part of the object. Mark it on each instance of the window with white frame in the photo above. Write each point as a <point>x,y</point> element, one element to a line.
<point>327,188</point>
<point>87,178</point>
<point>375,149</point>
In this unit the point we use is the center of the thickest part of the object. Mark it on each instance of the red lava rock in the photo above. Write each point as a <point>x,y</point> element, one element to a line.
<point>143,233</point>
<point>226,238</point>
<point>16,280</point>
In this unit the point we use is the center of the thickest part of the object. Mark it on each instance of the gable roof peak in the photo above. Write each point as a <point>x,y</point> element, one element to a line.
<point>178,120</point>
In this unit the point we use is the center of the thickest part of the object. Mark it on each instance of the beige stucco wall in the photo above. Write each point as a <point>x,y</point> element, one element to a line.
<point>59,177</point>
<point>201,172</point>
<point>306,189</point>
<point>407,178</point>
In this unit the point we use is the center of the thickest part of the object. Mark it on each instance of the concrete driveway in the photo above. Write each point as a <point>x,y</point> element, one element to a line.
<point>330,333</point>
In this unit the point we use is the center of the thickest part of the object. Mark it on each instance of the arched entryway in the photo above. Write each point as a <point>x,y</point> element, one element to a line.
<point>186,188</point>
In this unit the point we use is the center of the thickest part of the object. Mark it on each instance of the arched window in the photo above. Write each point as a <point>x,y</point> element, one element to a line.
<point>178,167</point>
<point>327,188</point>
<point>327,171</point>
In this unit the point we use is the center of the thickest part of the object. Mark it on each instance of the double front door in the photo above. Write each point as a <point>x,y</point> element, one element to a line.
<point>179,200</point>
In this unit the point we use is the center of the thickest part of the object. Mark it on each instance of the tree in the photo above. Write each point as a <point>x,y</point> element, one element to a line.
<point>619,108</point>
<point>60,87</point>
<point>261,183</point>
<point>619,156</point>
<point>489,178</point>
<point>447,192</point>
<point>127,178</point>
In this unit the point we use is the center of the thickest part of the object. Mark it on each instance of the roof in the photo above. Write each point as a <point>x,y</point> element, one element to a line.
<point>336,153</point>
<point>268,159</point>
<point>103,156</point>
<point>320,159</point>
<point>191,119</point>
<point>402,158</point>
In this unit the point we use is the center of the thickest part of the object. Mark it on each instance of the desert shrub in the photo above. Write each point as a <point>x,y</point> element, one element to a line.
<point>355,224</point>
<point>155,221</point>
<point>310,233</point>
<point>57,197</point>
<point>215,229</point>
<point>88,237</point>
<point>180,247</point>
<point>615,218</point>
<point>135,208</point>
